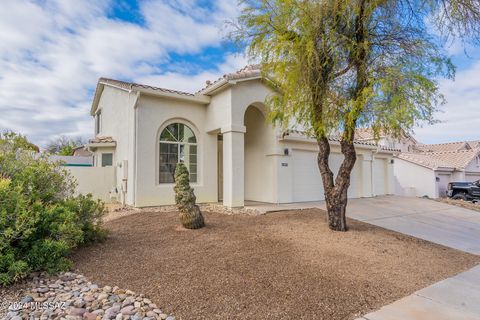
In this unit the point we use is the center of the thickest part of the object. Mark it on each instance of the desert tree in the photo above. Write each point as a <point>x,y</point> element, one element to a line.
<point>338,65</point>
<point>64,146</point>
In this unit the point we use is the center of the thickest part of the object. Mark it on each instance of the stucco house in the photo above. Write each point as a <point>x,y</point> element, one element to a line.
<point>220,133</point>
<point>428,168</point>
<point>405,143</point>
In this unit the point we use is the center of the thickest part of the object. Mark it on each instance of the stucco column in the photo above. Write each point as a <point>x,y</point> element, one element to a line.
<point>367,175</point>
<point>233,166</point>
<point>390,176</point>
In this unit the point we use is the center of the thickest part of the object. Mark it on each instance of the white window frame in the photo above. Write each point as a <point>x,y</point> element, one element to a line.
<point>179,144</point>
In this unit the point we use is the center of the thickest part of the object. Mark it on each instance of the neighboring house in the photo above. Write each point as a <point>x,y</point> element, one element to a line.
<point>81,151</point>
<point>405,143</point>
<point>220,133</point>
<point>428,170</point>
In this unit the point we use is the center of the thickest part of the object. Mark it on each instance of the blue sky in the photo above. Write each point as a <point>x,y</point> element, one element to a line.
<point>54,51</point>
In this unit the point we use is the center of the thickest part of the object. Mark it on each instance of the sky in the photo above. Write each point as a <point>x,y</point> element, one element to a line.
<point>52,53</point>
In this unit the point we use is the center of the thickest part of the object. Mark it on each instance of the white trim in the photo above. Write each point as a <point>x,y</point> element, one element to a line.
<point>233,128</point>
<point>114,86</point>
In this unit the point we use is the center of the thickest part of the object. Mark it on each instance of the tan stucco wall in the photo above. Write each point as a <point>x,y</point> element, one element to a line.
<point>260,179</point>
<point>118,117</point>
<point>95,180</point>
<point>414,180</point>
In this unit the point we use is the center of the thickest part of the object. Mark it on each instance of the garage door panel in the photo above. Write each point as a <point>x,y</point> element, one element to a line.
<point>379,177</point>
<point>307,181</point>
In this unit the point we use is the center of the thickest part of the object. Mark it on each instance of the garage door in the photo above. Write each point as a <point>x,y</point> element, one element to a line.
<point>442,184</point>
<point>307,181</point>
<point>380,177</point>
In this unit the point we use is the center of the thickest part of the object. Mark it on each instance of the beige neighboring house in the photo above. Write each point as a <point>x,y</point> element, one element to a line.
<point>405,143</point>
<point>427,170</point>
<point>220,133</point>
<point>81,151</point>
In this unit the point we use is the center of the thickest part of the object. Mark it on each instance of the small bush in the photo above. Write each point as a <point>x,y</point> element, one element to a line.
<point>41,222</point>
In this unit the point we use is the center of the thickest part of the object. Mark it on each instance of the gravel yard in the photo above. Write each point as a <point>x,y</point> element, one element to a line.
<point>460,203</point>
<point>283,265</point>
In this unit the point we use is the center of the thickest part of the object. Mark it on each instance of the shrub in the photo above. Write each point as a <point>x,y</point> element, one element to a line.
<point>41,221</point>
<point>190,215</point>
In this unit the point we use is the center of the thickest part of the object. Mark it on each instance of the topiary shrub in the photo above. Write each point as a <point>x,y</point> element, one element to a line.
<point>190,215</point>
<point>41,221</point>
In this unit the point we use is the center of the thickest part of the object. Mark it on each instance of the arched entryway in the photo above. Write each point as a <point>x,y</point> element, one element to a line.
<point>259,165</point>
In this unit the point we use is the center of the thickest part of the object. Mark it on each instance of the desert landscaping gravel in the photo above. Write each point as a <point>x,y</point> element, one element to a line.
<point>283,265</point>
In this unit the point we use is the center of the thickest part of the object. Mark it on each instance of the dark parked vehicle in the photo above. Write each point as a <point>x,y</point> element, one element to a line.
<point>468,191</point>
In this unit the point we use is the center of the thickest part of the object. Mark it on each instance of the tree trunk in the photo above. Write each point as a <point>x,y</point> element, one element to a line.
<point>336,192</point>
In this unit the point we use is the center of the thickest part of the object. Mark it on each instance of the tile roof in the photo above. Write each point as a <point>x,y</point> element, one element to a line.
<point>102,140</point>
<point>446,159</point>
<point>338,139</point>
<point>133,85</point>
<point>367,134</point>
<point>449,146</point>
<point>249,71</point>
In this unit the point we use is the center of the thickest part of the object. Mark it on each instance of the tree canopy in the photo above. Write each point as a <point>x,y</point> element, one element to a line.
<point>14,141</point>
<point>64,146</point>
<point>312,50</point>
<point>338,65</point>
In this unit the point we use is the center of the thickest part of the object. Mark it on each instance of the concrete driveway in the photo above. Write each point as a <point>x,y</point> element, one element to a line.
<point>426,219</point>
<point>454,298</point>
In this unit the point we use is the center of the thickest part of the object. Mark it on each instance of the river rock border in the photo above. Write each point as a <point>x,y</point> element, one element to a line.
<point>71,296</point>
<point>208,207</point>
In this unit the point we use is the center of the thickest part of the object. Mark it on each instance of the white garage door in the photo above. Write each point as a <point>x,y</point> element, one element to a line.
<point>307,181</point>
<point>380,177</point>
<point>442,184</point>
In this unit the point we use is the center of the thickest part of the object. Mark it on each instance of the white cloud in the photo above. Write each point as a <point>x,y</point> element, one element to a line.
<point>54,51</point>
<point>460,117</point>
<point>193,83</point>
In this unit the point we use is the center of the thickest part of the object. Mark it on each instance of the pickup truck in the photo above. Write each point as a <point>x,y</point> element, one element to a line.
<point>467,191</point>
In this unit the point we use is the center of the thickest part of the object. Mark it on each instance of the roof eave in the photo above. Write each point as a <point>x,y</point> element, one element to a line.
<point>101,145</point>
<point>225,83</point>
<point>197,98</point>
<point>96,98</point>
<point>298,138</point>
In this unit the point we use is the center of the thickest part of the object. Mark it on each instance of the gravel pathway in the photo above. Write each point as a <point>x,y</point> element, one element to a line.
<point>71,296</point>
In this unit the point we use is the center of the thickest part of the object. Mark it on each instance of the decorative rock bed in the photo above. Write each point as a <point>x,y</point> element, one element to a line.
<point>70,296</point>
<point>117,211</point>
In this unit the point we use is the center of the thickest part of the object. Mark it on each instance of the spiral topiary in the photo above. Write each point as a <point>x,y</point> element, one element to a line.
<point>190,215</point>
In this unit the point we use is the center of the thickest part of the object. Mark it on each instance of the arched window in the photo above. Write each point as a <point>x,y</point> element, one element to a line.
<point>177,144</point>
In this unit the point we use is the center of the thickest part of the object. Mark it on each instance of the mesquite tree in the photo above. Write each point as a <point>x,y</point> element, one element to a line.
<point>338,65</point>
<point>190,215</point>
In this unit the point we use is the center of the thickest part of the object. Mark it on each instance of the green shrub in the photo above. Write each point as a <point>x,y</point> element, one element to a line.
<point>41,222</point>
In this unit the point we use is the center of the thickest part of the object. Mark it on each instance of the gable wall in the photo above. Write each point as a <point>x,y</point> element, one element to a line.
<point>474,165</point>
